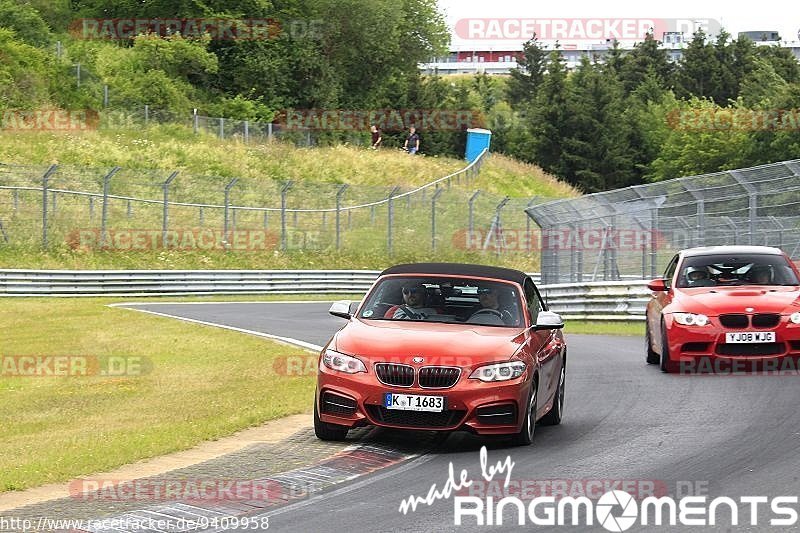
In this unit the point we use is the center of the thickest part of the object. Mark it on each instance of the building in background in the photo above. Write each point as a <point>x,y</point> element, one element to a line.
<point>500,57</point>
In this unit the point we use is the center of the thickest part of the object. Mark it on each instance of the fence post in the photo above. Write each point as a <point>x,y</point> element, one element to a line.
<point>269,131</point>
<point>528,220</point>
<point>130,209</point>
<point>471,225</point>
<point>202,216</point>
<point>339,193</point>
<point>45,185</point>
<point>146,114</point>
<point>284,190</point>
<point>391,219</point>
<point>195,122</point>
<point>246,131</point>
<point>221,128</point>
<point>91,207</point>
<point>266,219</point>
<point>496,228</point>
<point>228,188</point>
<point>104,216</point>
<point>16,199</point>
<point>78,73</point>
<point>105,95</point>
<point>165,215</point>
<point>433,217</point>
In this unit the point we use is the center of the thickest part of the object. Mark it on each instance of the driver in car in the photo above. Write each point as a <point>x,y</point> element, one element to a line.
<point>759,275</point>
<point>414,304</point>
<point>698,277</point>
<point>490,310</point>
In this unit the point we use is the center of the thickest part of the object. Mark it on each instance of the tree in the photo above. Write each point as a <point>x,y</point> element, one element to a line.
<point>647,56</point>
<point>696,68</point>
<point>525,80</point>
<point>547,118</point>
<point>596,152</point>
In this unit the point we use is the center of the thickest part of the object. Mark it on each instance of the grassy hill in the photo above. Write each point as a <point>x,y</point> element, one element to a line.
<point>206,164</point>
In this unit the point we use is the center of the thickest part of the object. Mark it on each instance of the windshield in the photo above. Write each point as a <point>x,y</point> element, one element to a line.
<point>725,270</point>
<point>437,299</point>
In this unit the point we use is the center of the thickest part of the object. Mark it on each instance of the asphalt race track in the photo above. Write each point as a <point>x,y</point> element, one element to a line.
<point>624,420</point>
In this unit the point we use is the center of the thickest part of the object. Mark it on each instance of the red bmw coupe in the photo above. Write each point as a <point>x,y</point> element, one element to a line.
<point>725,308</point>
<point>445,347</point>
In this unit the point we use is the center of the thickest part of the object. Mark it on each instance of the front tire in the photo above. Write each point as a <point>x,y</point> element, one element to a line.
<point>325,431</point>
<point>525,435</point>
<point>553,417</point>
<point>652,357</point>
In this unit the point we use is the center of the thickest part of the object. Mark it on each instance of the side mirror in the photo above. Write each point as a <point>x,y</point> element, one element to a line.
<point>549,320</point>
<point>341,309</point>
<point>658,285</point>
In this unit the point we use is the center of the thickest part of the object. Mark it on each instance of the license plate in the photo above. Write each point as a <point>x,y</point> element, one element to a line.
<point>749,337</point>
<point>414,402</point>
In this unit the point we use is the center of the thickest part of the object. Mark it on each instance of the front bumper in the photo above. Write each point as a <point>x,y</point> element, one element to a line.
<point>472,405</point>
<point>704,348</point>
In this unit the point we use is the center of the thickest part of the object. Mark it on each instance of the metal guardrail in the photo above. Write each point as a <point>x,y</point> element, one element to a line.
<point>615,300</point>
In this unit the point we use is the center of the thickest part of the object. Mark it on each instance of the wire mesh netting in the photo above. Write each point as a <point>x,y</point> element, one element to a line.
<point>128,210</point>
<point>633,232</point>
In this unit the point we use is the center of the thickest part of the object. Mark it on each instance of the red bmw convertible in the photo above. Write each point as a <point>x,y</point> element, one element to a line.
<point>725,308</point>
<point>445,347</point>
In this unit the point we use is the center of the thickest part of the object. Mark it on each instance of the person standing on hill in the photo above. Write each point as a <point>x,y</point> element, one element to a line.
<point>376,136</point>
<point>412,142</point>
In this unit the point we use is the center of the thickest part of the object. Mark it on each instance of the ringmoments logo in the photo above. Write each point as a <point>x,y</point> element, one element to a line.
<point>615,510</point>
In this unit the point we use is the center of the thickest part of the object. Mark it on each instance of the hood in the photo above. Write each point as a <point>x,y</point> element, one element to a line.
<point>714,301</point>
<point>439,344</point>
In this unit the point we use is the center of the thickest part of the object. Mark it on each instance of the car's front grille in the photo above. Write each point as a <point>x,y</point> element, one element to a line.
<point>766,320</point>
<point>499,415</point>
<point>335,404</point>
<point>734,321</point>
<point>415,419</point>
<point>762,348</point>
<point>438,377</point>
<point>395,375</point>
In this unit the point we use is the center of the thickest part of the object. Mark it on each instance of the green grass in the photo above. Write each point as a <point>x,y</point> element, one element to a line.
<point>56,428</point>
<point>206,164</point>
<point>605,327</point>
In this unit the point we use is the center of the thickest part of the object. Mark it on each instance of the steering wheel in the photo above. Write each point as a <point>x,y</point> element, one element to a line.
<point>409,313</point>
<point>490,311</point>
<point>503,315</point>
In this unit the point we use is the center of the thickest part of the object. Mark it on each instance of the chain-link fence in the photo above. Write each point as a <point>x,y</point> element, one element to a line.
<point>633,232</point>
<point>127,210</point>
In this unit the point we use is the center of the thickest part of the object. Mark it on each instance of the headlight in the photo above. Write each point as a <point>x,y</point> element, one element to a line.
<point>343,363</point>
<point>795,318</point>
<point>499,371</point>
<point>690,319</point>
